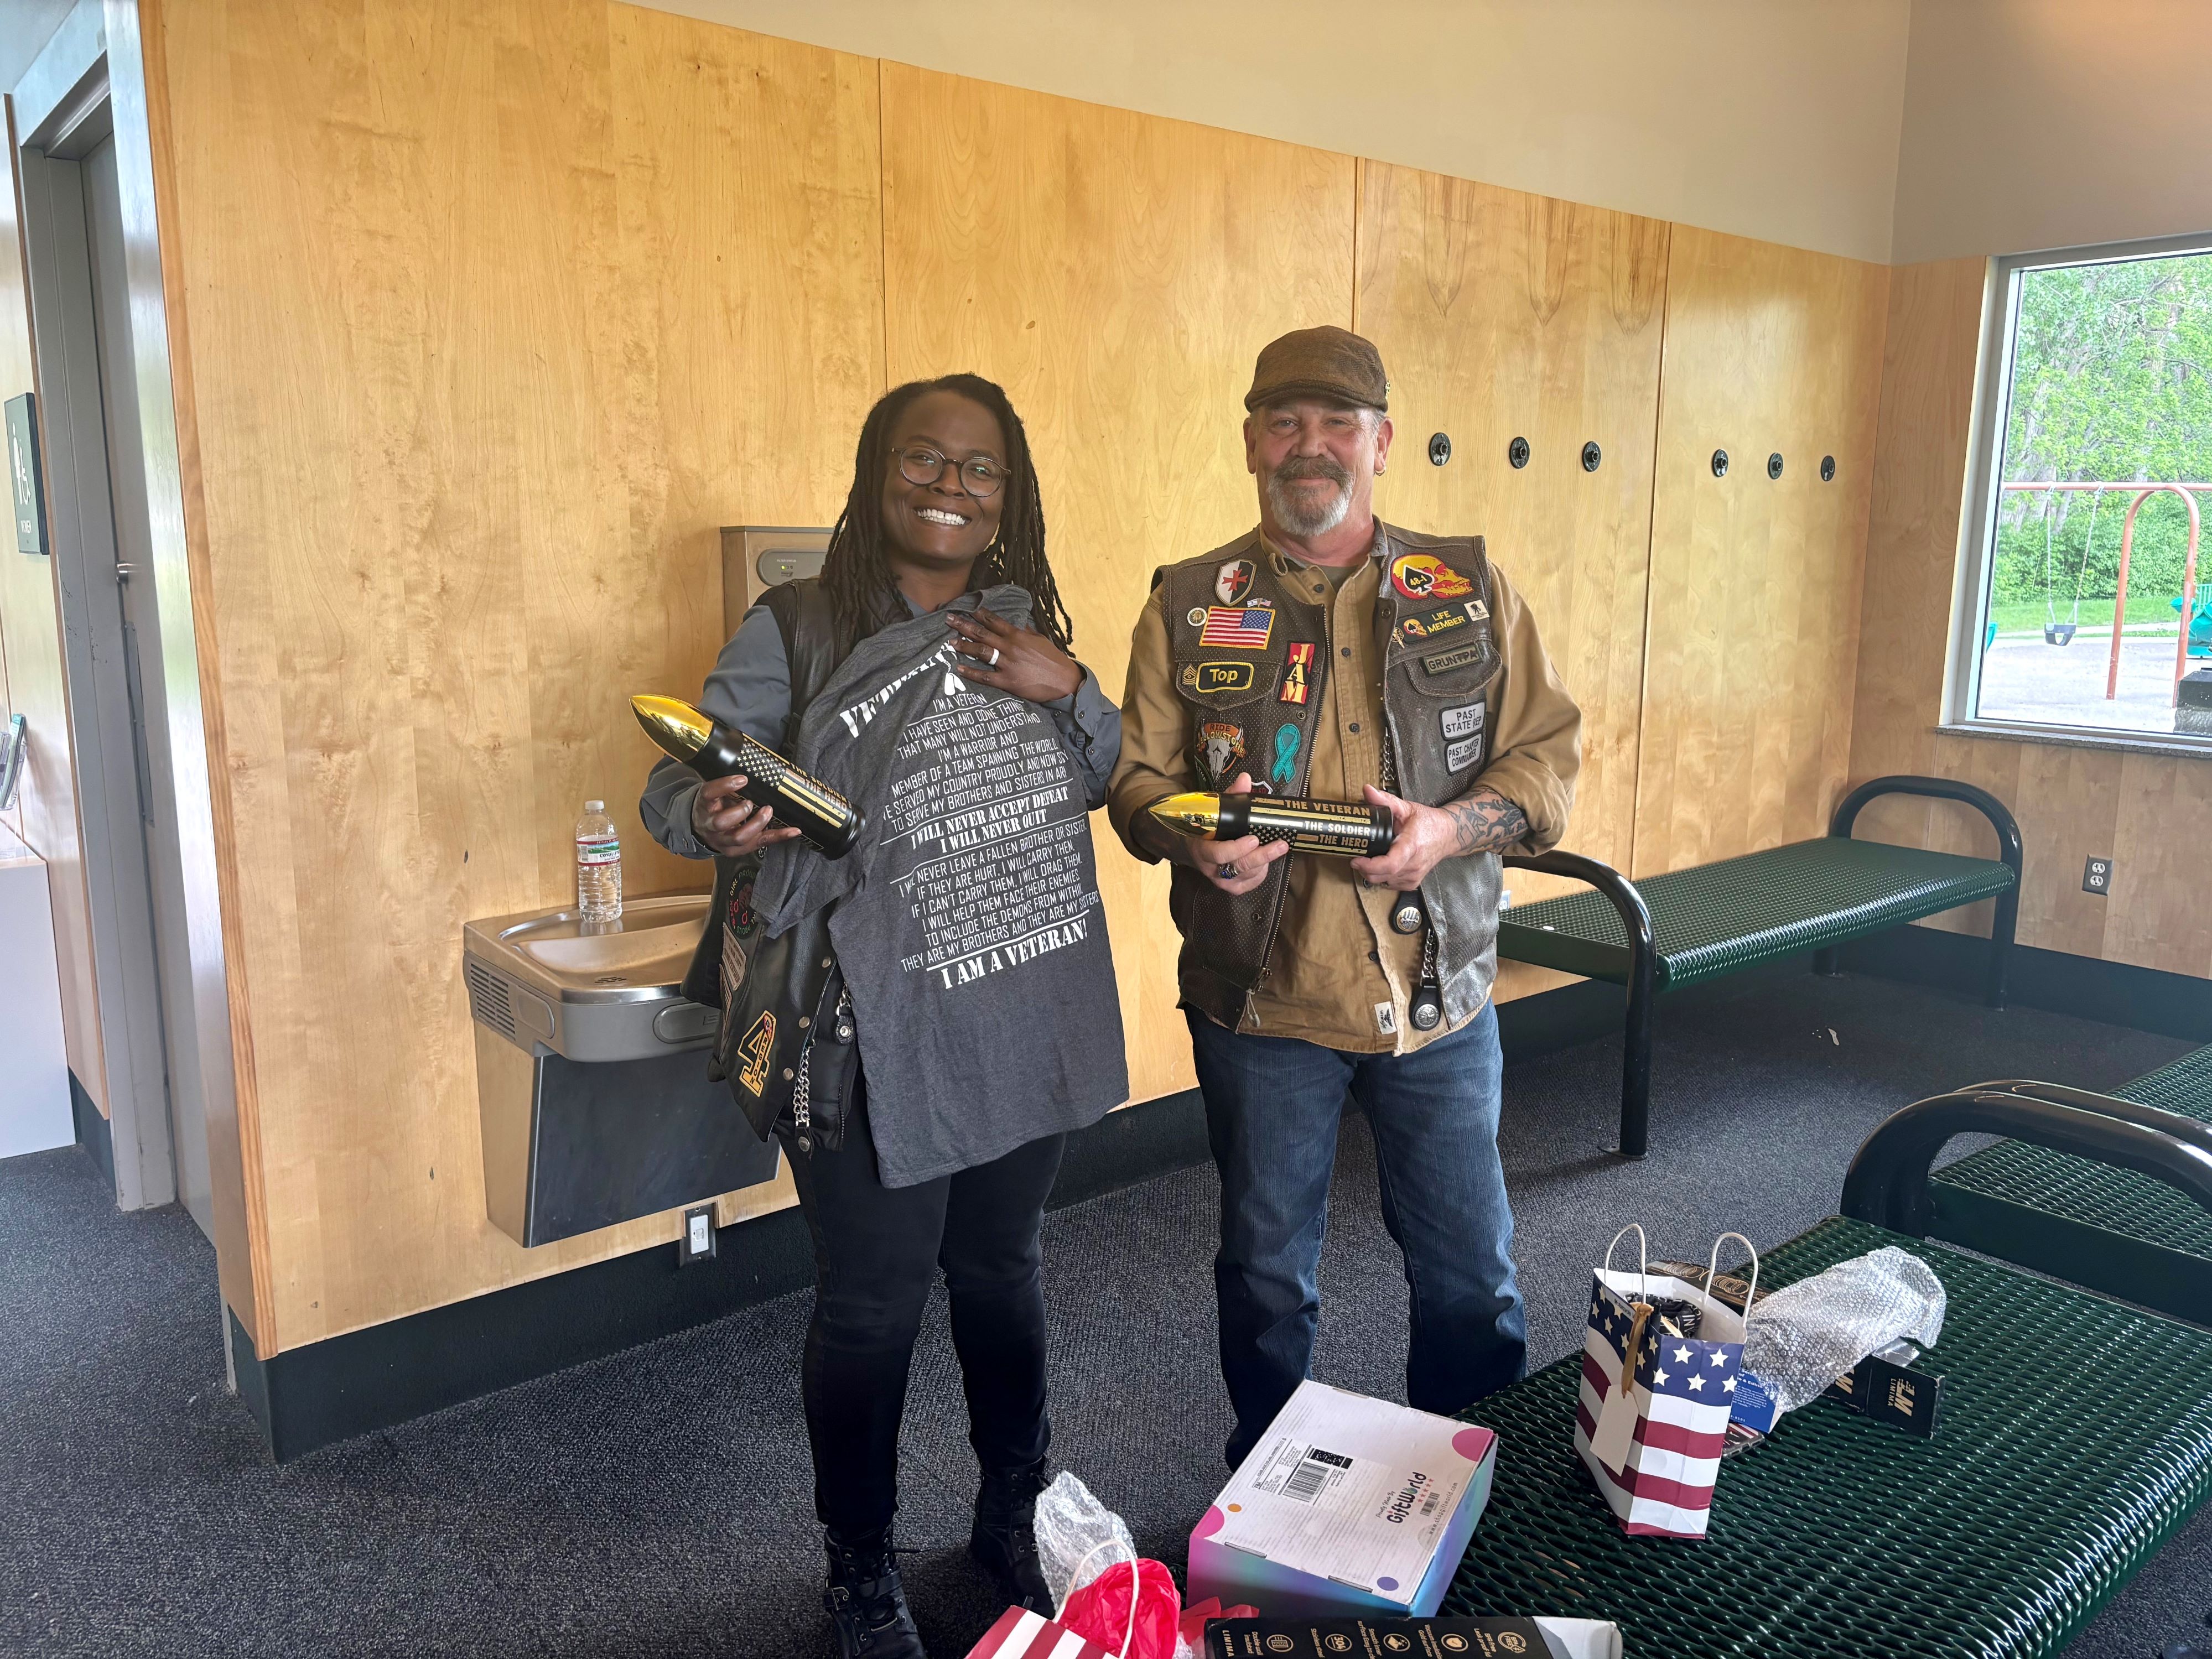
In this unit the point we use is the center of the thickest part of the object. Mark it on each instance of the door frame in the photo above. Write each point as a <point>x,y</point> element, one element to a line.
<point>93,71</point>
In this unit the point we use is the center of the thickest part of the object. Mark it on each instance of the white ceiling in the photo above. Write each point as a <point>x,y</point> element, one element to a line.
<point>26,26</point>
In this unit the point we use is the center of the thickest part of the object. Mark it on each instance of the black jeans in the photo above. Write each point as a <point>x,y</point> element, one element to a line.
<point>877,1250</point>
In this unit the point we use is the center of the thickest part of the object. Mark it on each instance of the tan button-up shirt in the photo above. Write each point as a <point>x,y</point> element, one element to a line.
<point>1338,969</point>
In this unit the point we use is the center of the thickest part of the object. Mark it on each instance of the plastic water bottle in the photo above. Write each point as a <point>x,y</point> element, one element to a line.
<point>598,865</point>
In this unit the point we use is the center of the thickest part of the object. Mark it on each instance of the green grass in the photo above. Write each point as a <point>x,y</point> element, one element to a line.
<point>2026,616</point>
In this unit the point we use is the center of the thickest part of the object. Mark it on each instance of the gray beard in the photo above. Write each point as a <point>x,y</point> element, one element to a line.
<point>1301,520</point>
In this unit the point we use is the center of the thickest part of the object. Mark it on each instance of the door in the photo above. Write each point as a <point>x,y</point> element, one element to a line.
<point>138,641</point>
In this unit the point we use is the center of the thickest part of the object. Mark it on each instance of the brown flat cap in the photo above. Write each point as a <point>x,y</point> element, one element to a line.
<point>1334,363</point>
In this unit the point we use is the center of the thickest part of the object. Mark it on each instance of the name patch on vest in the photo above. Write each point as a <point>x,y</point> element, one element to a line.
<point>1299,678</point>
<point>1442,662</point>
<point>1210,679</point>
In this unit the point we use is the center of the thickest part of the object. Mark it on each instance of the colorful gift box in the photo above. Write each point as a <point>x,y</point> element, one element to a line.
<point>1346,1505</point>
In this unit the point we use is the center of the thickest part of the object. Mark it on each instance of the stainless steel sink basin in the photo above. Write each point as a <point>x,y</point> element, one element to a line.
<point>590,991</point>
<point>646,949</point>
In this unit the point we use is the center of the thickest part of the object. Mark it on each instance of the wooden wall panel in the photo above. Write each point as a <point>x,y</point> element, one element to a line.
<point>30,640</point>
<point>1501,314</point>
<point>1117,273</point>
<point>1755,583</point>
<point>2148,812</point>
<point>495,312</point>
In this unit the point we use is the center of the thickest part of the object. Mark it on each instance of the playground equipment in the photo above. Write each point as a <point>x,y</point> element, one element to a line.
<point>2200,625</point>
<point>2056,632</point>
<point>2187,603</point>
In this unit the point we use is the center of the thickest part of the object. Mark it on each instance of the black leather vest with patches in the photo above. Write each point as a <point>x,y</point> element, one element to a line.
<point>780,999</point>
<point>1249,659</point>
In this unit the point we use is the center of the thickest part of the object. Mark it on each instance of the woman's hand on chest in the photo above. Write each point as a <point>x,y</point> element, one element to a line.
<point>996,653</point>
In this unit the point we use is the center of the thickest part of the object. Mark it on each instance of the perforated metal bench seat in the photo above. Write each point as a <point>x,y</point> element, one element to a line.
<point>2076,1437</point>
<point>2052,1210</point>
<point>1721,918</point>
<point>1673,930</point>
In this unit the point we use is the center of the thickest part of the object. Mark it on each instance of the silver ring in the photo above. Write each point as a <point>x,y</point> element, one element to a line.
<point>1229,871</point>
<point>993,663</point>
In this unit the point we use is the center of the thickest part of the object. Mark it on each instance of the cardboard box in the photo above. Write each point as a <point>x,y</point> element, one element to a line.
<point>1347,1506</point>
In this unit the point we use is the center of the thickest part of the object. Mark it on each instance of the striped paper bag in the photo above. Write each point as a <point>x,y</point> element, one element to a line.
<point>1021,1634</point>
<point>1653,1411</point>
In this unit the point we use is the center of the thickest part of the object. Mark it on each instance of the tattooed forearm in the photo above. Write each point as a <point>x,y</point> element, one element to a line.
<point>1484,822</point>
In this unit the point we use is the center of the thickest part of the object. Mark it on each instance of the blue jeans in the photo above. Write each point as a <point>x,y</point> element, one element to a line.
<point>1272,1108</point>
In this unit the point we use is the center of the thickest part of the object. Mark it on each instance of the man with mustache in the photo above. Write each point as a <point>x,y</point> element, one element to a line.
<point>1342,658</point>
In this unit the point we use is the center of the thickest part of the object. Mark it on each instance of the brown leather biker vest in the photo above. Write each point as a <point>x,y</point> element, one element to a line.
<point>1249,658</point>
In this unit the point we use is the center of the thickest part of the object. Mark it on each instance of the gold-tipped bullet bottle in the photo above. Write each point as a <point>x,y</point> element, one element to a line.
<point>714,750</point>
<point>1352,829</point>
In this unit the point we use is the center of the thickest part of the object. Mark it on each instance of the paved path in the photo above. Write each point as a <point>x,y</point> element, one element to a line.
<point>2024,679</point>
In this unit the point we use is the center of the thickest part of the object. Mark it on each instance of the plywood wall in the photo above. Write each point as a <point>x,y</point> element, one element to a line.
<point>492,314</point>
<point>1117,273</point>
<point>1755,582</point>
<point>31,644</point>
<point>1504,315</point>
<point>2149,813</point>
<point>495,312</point>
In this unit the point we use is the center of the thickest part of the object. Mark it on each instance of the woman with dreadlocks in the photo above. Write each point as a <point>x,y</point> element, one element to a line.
<point>904,1081</point>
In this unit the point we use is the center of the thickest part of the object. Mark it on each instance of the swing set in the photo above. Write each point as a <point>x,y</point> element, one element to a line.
<point>2196,632</point>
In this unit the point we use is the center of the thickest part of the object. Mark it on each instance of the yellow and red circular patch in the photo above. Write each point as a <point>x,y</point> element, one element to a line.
<point>1424,576</point>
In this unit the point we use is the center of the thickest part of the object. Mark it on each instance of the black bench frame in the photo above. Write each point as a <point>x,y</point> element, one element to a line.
<point>1643,946</point>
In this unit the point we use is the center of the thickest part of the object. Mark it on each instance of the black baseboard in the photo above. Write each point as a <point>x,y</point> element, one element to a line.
<point>92,1133</point>
<point>2113,992</point>
<point>370,1379</point>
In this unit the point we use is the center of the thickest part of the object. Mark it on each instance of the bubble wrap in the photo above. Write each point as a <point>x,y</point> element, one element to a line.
<point>1806,1335</point>
<point>1078,1537</point>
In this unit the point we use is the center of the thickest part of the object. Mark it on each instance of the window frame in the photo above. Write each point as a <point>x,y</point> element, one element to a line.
<point>1962,675</point>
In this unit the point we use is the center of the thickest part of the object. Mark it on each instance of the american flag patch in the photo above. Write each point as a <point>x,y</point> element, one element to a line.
<point>1242,628</point>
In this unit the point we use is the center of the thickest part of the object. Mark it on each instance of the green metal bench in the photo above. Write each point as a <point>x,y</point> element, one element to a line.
<point>2076,1437</point>
<point>1665,931</point>
<point>2063,1214</point>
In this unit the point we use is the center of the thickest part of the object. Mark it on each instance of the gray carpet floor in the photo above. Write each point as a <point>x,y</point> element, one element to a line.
<point>656,1502</point>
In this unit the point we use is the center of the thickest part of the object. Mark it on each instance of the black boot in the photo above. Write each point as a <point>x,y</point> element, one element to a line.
<point>1004,1542</point>
<point>865,1600</point>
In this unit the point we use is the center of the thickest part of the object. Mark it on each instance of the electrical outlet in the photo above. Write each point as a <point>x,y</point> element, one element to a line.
<point>2097,877</point>
<point>697,1243</point>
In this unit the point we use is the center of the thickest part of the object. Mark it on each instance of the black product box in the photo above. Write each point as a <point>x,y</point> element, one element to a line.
<point>1896,1394</point>
<point>1375,1639</point>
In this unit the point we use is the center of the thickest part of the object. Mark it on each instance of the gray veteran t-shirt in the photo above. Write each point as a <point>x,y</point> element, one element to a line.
<point>967,921</point>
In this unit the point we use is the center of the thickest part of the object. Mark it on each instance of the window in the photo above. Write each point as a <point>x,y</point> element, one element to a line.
<point>2094,469</point>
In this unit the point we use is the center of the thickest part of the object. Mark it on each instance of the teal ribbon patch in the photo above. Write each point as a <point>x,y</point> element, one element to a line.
<point>1286,756</point>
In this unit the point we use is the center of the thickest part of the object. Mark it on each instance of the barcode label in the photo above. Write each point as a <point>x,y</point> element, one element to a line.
<point>1304,1482</point>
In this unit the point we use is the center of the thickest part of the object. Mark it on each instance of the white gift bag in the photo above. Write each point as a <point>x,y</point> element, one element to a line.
<point>1653,1411</point>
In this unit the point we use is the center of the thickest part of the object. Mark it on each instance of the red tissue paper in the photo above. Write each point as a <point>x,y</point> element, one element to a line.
<point>1100,1611</point>
<point>1194,1618</point>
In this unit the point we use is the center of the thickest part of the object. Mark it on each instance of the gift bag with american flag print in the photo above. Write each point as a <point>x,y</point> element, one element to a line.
<point>1653,1411</point>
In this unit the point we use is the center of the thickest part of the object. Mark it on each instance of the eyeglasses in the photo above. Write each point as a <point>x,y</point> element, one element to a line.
<point>979,475</point>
